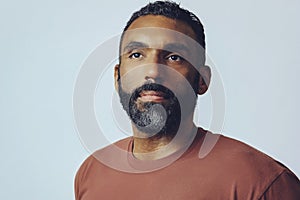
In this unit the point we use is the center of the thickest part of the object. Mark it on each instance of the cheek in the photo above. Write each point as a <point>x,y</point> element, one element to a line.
<point>182,84</point>
<point>193,79</point>
<point>191,76</point>
<point>131,79</point>
<point>178,80</point>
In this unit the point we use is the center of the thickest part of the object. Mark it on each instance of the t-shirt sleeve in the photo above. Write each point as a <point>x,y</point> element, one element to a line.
<point>77,184</point>
<point>80,176</point>
<point>286,186</point>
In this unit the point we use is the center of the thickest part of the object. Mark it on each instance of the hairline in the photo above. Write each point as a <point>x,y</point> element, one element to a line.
<point>127,27</point>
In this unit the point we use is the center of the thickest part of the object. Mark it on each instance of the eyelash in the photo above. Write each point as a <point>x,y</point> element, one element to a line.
<point>133,55</point>
<point>138,55</point>
<point>177,57</point>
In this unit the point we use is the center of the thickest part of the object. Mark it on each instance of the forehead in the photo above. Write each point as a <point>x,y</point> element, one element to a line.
<point>157,31</point>
<point>162,22</point>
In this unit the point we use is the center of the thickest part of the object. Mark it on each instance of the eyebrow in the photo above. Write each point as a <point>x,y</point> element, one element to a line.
<point>176,47</point>
<point>171,47</point>
<point>134,45</point>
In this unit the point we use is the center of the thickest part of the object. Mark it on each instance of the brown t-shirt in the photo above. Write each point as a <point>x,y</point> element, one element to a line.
<point>230,170</point>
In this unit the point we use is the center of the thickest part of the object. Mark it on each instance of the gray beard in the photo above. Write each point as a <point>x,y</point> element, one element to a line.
<point>159,119</point>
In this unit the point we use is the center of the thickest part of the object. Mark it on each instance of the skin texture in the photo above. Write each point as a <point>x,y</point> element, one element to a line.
<point>144,59</point>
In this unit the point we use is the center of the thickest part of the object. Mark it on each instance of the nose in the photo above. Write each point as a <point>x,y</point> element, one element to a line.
<point>153,71</point>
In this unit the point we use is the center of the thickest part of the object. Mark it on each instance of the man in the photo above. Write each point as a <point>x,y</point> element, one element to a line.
<point>161,71</point>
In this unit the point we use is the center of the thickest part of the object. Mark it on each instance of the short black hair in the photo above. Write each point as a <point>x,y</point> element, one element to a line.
<point>174,11</point>
<point>171,10</point>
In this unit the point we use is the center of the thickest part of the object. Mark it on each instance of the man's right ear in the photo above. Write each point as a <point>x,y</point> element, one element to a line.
<point>116,76</point>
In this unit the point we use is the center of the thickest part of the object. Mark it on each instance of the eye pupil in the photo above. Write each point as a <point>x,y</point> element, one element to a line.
<point>174,57</point>
<point>136,55</point>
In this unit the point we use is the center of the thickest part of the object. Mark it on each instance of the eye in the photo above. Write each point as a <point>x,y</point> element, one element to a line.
<point>135,55</point>
<point>175,58</point>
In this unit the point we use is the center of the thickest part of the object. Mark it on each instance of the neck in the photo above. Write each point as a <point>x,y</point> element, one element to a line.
<point>160,146</point>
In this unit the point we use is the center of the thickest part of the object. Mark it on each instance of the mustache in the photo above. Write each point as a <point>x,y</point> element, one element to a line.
<point>153,87</point>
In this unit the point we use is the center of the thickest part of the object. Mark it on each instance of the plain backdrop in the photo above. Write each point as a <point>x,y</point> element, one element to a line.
<point>254,44</point>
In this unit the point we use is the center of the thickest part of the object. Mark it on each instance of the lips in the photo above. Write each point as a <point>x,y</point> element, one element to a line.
<point>152,96</point>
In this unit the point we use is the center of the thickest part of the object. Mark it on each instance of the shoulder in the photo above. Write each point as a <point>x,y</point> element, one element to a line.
<point>101,158</point>
<point>247,156</point>
<point>285,186</point>
<point>260,172</point>
<point>97,166</point>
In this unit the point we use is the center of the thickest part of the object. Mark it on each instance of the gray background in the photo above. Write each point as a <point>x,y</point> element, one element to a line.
<point>254,44</point>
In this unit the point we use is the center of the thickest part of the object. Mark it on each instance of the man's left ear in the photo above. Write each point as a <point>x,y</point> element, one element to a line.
<point>204,79</point>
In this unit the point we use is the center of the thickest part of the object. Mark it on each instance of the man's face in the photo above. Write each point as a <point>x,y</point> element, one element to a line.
<point>156,72</point>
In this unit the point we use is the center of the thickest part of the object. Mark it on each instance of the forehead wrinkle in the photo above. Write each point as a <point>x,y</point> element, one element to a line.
<point>135,45</point>
<point>171,47</point>
<point>157,38</point>
<point>176,47</point>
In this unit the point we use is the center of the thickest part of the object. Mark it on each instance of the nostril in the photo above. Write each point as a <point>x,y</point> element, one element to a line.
<point>153,80</point>
<point>150,79</point>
